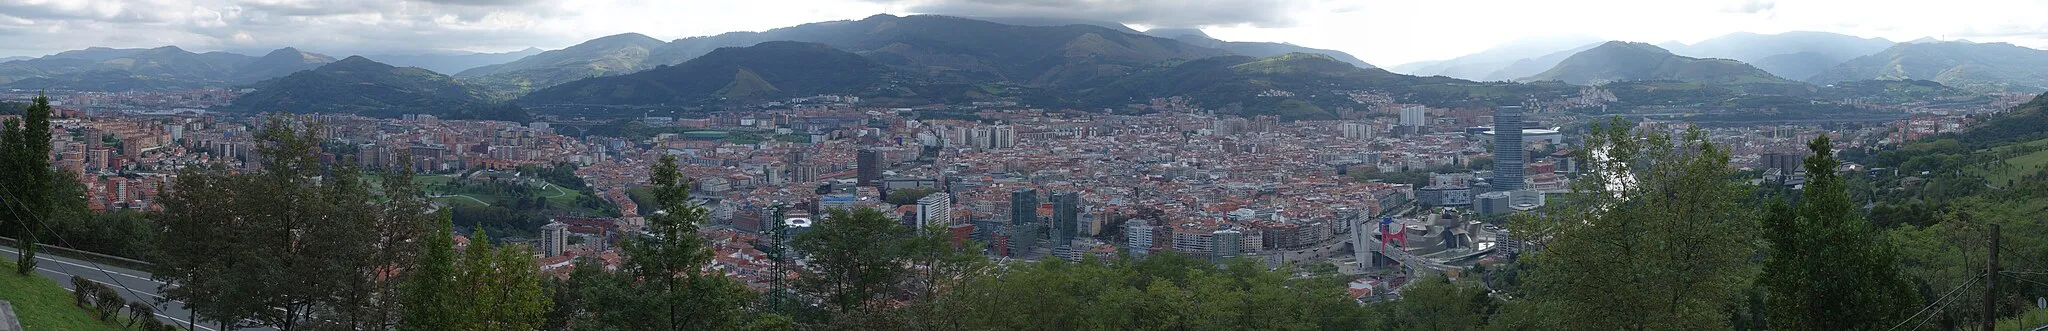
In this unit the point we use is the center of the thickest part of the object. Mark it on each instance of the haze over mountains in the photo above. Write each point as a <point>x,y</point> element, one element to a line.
<point>907,60</point>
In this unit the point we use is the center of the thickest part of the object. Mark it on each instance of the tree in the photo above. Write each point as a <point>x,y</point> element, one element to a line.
<point>1437,303</point>
<point>298,243</point>
<point>497,288</point>
<point>1828,267</point>
<point>663,283</point>
<point>855,260</point>
<point>429,293</point>
<point>140,311</point>
<point>1660,239</point>
<point>25,181</point>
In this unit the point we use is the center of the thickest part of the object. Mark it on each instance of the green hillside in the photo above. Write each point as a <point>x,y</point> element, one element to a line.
<point>358,85</point>
<point>1987,67</point>
<point>611,55</point>
<point>1618,61</point>
<point>1234,85</point>
<point>761,72</point>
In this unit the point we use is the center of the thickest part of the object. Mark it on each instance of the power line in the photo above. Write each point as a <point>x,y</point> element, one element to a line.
<point>44,223</point>
<point>1937,302</point>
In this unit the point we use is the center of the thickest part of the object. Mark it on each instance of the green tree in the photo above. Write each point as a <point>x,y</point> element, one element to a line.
<point>429,292</point>
<point>296,244</point>
<point>663,284</point>
<point>25,180</point>
<point>498,288</point>
<point>1828,268</point>
<point>1659,241</point>
<point>1437,303</point>
<point>855,259</point>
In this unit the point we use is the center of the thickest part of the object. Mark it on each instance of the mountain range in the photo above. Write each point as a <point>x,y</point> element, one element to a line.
<point>1518,59</point>
<point>1619,61</point>
<point>359,85</point>
<point>110,69</point>
<point>1794,55</point>
<point>451,63</point>
<point>767,70</point>
<point>1034,52</point>
<point>1983,67</point>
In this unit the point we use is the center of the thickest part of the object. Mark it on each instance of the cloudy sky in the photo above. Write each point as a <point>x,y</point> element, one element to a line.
<point>1383,32</point>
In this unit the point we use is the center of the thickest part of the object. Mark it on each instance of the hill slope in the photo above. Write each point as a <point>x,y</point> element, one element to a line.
<point>950,48</point>
<point>1618,61</point>
<point>611,55</point>
<point>1509,61</point>
<point>450,64</point>
<point>761,72</point>
<point>1301,86</point>
<point>358,85</point>
<point>168,67</point>
<point>1795,55</point>
<point>1253,49</point>
<point>1986,67</point>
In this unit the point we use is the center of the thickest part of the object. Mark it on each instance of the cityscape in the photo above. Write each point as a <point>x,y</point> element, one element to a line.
<point>941,170</point>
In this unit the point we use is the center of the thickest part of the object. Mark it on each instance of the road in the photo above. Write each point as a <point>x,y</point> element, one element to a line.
<point>133,285</point>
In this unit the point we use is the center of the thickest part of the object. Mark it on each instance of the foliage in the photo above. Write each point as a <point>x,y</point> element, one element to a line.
<point>662,284</point>
<point>1660,241</point>
<point>1828,268</point>
<point>909,196</point>
<point>1161,292</point>
<point>25,183</point>
<point>1437,303</point>
<point>361,86</point>
<point>854,266</point>
<point>296,244</point>
<point>760,72</point>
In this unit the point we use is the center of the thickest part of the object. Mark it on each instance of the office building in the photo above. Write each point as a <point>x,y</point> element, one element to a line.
<point>1138,236</point>
<point>1414,116</point>
<point>1355,131</point>
<point>1025,230</point>
<point>1509,161</point>
<point>869,167</point>
<point>1066,216</point>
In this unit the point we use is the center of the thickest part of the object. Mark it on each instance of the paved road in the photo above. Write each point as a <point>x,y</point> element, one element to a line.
<point>144,289</point>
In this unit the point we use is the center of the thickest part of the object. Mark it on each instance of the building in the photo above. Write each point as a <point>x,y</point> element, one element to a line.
<point>1509,161</point>
<point>1227,243</point>
<point>1024,227</point>
<point>1138,236</point>
<point>934,209</point>
<point>1414,116</point>
<point>1354,130</point>
<point>1066,216</point>
<point>554,238</point>
<point>869,167</point>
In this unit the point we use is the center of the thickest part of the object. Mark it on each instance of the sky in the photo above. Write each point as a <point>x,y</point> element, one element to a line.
<point>1381,32</point>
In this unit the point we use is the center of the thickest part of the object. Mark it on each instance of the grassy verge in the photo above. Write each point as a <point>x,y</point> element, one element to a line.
<point>43,305</point>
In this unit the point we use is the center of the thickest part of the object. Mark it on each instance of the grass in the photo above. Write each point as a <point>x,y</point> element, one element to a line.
<point>2021,165</point>
<point>43,305</point>
<point>2025,321</point>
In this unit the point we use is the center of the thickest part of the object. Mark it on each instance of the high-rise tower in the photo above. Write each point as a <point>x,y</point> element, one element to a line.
<point>1509,161</point>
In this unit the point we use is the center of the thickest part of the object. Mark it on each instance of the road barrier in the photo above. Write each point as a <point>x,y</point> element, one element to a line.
<point>130,264</point>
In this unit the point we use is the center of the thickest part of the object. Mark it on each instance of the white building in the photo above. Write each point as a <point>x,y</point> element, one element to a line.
<point>554,238</point>
<point>934,209</point>
<point>1414,115</point>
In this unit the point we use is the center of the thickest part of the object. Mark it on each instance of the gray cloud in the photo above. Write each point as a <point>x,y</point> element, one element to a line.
<point>1162,13</point>
<point>489,3</point>
<point>337,27</point>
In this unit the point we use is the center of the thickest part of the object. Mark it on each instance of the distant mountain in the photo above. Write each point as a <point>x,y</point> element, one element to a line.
<point>761,72</point>
<point>1796,55</point>
<point>1301,86</point>
<point>1983,67</point>
<point>111,69</point>
<point>359,85</point>
<point>1255,49</point>
<point>452,63</point>
<point>278,63</point>
<point>1619,61</point>
<point>610,55</point>
<point>14,58</point>
<point>944,47</point>
<point>1517,58</point>
<point>1055,21</point>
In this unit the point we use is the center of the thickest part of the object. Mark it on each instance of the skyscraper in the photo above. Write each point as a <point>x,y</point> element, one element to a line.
<point>1024,226</point>
<point>1066,216</point>
<point>1509,161</point>
<point>869,164</point>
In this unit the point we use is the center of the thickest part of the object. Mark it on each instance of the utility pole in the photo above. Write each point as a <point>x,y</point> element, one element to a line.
<point>1991,280</point>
